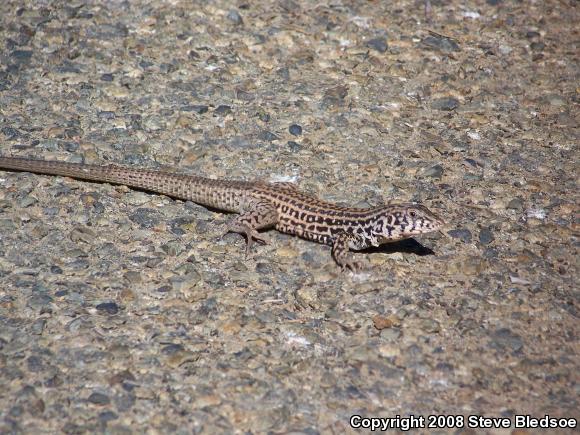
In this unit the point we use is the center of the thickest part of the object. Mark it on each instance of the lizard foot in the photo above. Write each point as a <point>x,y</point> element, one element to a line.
<point>353,265</point>
<point>250,233</point>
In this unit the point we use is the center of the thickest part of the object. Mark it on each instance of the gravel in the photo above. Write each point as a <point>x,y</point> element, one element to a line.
<point>127,312</point>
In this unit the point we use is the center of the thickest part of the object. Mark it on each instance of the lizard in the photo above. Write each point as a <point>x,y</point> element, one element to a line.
<point>261,205</point>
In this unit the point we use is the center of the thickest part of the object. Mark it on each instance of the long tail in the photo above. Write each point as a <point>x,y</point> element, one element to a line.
<point>188,187</point>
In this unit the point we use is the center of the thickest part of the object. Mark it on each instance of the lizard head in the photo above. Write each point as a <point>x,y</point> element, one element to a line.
<point>401,221</point>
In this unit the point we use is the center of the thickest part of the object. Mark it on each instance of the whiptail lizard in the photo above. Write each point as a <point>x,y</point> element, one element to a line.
<point>262,205</point>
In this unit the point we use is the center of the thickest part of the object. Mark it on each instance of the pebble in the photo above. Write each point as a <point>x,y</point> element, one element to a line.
<point>486,236</point>
<point>555,100</point>
<point>383,322</point>
<point>222,110</point>
<point>108,308</point>
<point>27,201</point>
<point>334,96</point>
<point>390,334</point>
<point>442,44</point>
<point>445,103</point>
<point>21,56</point>
<point>146,217</point>
<point>516,204</point>
<point>99,399</point>
<point>463,234</point>
<point>7,225</point>
<point>295,130</point>
<point>107,416</point>
<point>294,146</point>
<point>268,136</point>
<point>504,338</point>
<point>235,17</point>
<point>378,44</point>
<point>200,109</point>
<point>430,325</point>
<point>435,171</point>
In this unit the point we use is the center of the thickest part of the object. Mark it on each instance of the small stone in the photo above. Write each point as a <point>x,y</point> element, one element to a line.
<point>378,44</point>
<point>295,130</point>
<point>108,308</point>
<point>145,217</point>
<point>473,163</point>
<point>463,234</point>
<point>134,277</point>
<point>107,416</point>
<point>208,401</point>
<point>21,56</point>
<point>181,357</point>
<point>38,326</point>
<point>7,225</point>
<point>268,136</point>
<point>35,364</point>
<point>172,348</point>
<point>222,110</point>
<point>122,377</point>
<point>107,77</point>
<point>263,116</point>
<point>39,301</point>
<point>504,338</point>
<point>445,103</point>
<point>440,43</point>
<point>532,34</point>
<point>383,322</point>
<point>106,115</point>
<point>485,236</point>
<point>516,204</point>
<point>334,96</point>
<point>173,249</point>
<point>435,171</point>
<point>154,123</point>
<point>200,109</point>
<point>389,350</point>
<point>165,289</point>
<point>554,100</point>
<point>505,49</point>
<point>517,280</point>
<point>294,146</point>
<point>264,268</point>
<point>390,334</point>
<point>490,253</point>
<point>99,399</point>
<point>430,326</point>
<point>470,266</point>
<point>235,17</point>
<point>10,132</point>
<point>27,201</point>
<point>127,295</point>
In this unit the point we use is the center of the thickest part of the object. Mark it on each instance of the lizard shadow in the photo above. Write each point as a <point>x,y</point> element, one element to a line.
<point>407,246</point>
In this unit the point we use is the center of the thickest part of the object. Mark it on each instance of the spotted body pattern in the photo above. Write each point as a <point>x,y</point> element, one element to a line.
<point>262,205</point>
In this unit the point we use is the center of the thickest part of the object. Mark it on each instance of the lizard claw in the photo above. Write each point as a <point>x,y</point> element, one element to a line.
<point>354,265</point>
<point>250,233</point>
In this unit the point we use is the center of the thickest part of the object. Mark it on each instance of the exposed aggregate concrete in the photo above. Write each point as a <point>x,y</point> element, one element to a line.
<point>124,312</point>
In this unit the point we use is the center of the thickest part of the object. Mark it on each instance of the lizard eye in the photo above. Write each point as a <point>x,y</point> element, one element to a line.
<point>413,214</point>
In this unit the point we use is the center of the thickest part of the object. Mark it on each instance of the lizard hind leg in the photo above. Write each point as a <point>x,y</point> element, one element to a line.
<point>257,215</point>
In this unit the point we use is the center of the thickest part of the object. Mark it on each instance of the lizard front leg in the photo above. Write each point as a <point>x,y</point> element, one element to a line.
<point>257,215</point>
<point>341,252</point>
